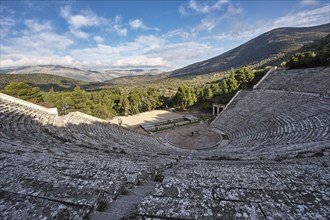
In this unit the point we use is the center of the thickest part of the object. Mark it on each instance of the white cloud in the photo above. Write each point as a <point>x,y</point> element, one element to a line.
<point>82,20</point>
<point>38,38</point>
<point>150,41</point>
<point>205,24</point>
<point>39,45</point>
<point>32,60</point>
<point>182,10</point>
<point>305,18</point>
<point>145,51</point>
<point>177,32</point>
<point>201,7</point>
<point>7,20</point>
<point>36,26</point>
<point>309,2</point>
<point>6,25</point>
<point>98,39</point>
<point>120,30</point>
<point>79,33</point>
<point>118,27</point>
<point>214,14</point>
<point>126,55</point>
<point>233,11</point>
<point>219,4</point>
<point>45,43</point>
<point>85,19</point>
<point>140,61</point>
<point>181,54</point>
<point>138,24</point>
<point>242,30</point>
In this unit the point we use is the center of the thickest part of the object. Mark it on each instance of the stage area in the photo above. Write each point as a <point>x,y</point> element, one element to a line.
<point>194,137</point>
<point>134,121</point>
<point>182,137</point>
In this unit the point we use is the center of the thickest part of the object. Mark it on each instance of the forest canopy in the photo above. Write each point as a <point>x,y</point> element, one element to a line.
<point>106,104</point>
<point>312,55</point>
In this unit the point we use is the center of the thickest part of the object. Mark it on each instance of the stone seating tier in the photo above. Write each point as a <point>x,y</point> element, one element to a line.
<point>273,165</point>
<point>258,122</point>
<point>237,189</point>
<point>310,80</point>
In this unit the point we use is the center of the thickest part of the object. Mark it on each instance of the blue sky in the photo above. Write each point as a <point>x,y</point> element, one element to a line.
<point>166,34</point>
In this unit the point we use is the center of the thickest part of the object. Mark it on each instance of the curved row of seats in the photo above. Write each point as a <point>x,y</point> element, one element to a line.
<point>310,80</point>
<point>200,189</point>
<point>46,175</point>
<point>84,129</point>
<point>273,124</point>
<point>68,167</point>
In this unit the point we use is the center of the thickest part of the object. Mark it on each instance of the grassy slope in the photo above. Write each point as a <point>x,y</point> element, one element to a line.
<point>167,85</point>
<point>280,38</point>
<point>269,48</point>
<point>43,81</point>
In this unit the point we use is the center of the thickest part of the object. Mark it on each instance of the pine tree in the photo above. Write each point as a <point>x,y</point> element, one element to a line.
<point>232,82</point>
<point>79,101</point>
<point>244,75</point>
<point>183,98</point>
<point>207,94</point>
<point>224,87</point>
<point>23,91</point>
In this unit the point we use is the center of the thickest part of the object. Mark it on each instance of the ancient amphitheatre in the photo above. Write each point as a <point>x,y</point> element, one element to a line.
<point>273,164</point>
<point>192,136</point>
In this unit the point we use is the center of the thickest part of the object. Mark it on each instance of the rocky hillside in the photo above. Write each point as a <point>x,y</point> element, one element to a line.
<point>79,74</point>
<point>265,49</point>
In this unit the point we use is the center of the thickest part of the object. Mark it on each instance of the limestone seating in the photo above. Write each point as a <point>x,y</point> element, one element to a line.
<point>229,190</point>
<point>69,177</point>
<point>284,125</point>
<point>291,124</point>
<point>242,121</point>
<point>77,180</point>
<point>67,167</point>
<point>103,134</point>
<point>312,80</point>
<point>18,124</point>
<point>99,134</point>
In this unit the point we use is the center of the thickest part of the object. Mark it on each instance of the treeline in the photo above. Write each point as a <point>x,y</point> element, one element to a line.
<point>224,88</point>
<point>103,104</point>
<point>106,104</point>
<point>312,55</point>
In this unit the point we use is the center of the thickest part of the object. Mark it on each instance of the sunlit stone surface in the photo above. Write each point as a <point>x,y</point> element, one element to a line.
<point>274,165</point>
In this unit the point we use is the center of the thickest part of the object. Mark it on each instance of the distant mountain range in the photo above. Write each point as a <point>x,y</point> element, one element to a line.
<point>79,74</point>
<point>265,49</point>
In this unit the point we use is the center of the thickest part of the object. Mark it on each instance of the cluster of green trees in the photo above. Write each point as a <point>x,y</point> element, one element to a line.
<point>312,55</point>
<point>103,104</point>
<point>23,91</point>
<point>106,103</point>
<point>109,103</point>
<point>305,60</point>
<point>226,87</point>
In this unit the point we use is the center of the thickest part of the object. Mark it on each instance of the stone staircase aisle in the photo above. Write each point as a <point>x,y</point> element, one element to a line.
<point>125,205</point>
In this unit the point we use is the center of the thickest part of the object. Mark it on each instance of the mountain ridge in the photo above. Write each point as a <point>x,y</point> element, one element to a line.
<point>262,50</point>
<point>268,48</point>
<point>79,74</point>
